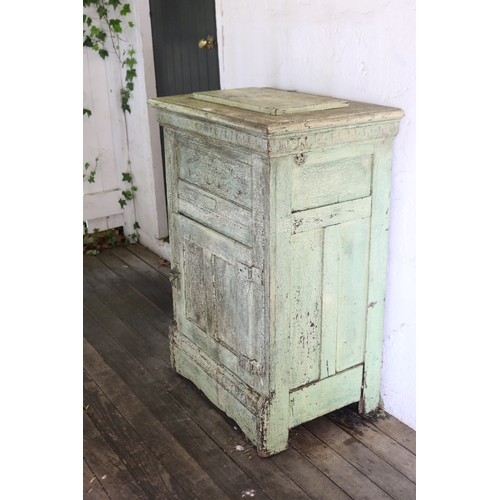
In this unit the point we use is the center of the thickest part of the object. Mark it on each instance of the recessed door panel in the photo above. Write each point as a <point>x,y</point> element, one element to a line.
<point>218,290</point>
<point>329,300</point>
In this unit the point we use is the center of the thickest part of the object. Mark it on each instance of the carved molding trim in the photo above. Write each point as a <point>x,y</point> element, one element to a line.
<point>334,136</point>
<point>214,130</point>
<point>284,144</point>
<point>248,397</point>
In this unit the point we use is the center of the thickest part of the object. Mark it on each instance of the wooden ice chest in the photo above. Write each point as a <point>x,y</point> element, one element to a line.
<point>278,206</point>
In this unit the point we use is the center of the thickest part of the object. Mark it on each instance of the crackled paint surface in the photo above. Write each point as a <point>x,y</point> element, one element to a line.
<point>364,51</point>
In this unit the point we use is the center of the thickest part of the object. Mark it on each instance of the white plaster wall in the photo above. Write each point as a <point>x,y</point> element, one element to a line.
<point>359,50</point>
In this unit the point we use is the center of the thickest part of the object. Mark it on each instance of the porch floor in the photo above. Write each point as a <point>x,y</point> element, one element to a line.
<point>150,434</point>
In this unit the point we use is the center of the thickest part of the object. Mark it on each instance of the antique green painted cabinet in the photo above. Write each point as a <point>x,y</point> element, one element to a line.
<point>278,206</point>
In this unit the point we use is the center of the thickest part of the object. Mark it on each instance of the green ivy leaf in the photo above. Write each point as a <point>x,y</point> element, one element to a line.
<point>103,53</point>
<point>94,31</point>
<point>128,195</point>
<point>125,10</point>
<point>125,94</point>
<point>126,177</point>
<point>136,225</point>
<point>115,25</point>
<point>122,202</point>
<point>134,188</point>
<point>88,113</point>
<point>114,3</point>
<point>130,75</point>
<point>87,42</point>
<point>130,62</point>
<point>87,165</point>
<point>131,24</point>
<point>130,86</point>
<point>102,11</point>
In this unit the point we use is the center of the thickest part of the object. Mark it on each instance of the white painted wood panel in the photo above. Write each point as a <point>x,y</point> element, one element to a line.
<point>101,197</point>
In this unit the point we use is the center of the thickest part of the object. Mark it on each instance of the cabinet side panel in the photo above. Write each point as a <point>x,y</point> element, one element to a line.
<point>377,275</point>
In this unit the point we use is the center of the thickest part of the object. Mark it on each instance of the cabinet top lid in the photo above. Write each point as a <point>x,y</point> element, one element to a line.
<point>271,101</point>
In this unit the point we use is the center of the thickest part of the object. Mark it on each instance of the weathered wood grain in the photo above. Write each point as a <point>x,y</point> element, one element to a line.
<point>303,472</point>
<point>317,184</point>
<point>224,175</point>
<point>148,471</point>
<point>108,468</point>
<point>122,332</point>
<point>308,402</point>
<point>155,389</point>
<point>150,258</point>
<point>328,215</point>
<point>129,275</point>
<point>398,431</point>
<point>371,465</point>
<point>353,282</point>
<point>165,447</point>
<point>330,301</point>
<point>306,307</point>
<point>216,213</point>
<point>339,470</point>
<point>152,335</point>
<point>269,477</point>
<point>274,420</point>
<point>271,101</point>
<point>136,301</point>
<point>92,488</point>
<point>379,240</point>
<point>143,269</point>
<point>380,443</point>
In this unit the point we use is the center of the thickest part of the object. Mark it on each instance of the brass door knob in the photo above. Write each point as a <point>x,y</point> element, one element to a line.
<point>209,42</point>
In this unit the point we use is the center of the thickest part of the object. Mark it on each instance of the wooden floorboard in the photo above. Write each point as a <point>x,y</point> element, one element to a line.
<point>149,433</point>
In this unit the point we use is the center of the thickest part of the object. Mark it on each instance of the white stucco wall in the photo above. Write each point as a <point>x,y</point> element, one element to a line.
<point>360,50</point>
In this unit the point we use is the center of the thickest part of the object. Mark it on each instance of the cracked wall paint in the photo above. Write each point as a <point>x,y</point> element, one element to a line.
<point>364,51</point>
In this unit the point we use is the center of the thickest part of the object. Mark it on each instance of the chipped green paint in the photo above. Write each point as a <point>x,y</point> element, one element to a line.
<point>278,230</point>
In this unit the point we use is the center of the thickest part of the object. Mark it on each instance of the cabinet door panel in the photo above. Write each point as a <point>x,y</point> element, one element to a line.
<point>217,297</point>
<point>329,300</point>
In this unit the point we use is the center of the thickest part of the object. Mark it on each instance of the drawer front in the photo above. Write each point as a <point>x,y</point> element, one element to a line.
<point>224,175</point>
<point>319,179</point>
<point>215,212</point>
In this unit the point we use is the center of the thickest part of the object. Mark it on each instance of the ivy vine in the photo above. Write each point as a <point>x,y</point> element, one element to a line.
<point>108,26</point>
<point>104,26</point>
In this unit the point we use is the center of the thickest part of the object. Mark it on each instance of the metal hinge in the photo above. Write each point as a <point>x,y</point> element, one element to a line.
<point>175,278</point>
<point>250,273</point>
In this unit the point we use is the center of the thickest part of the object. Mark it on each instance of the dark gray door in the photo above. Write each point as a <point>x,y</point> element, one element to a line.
<point>181,66</point>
